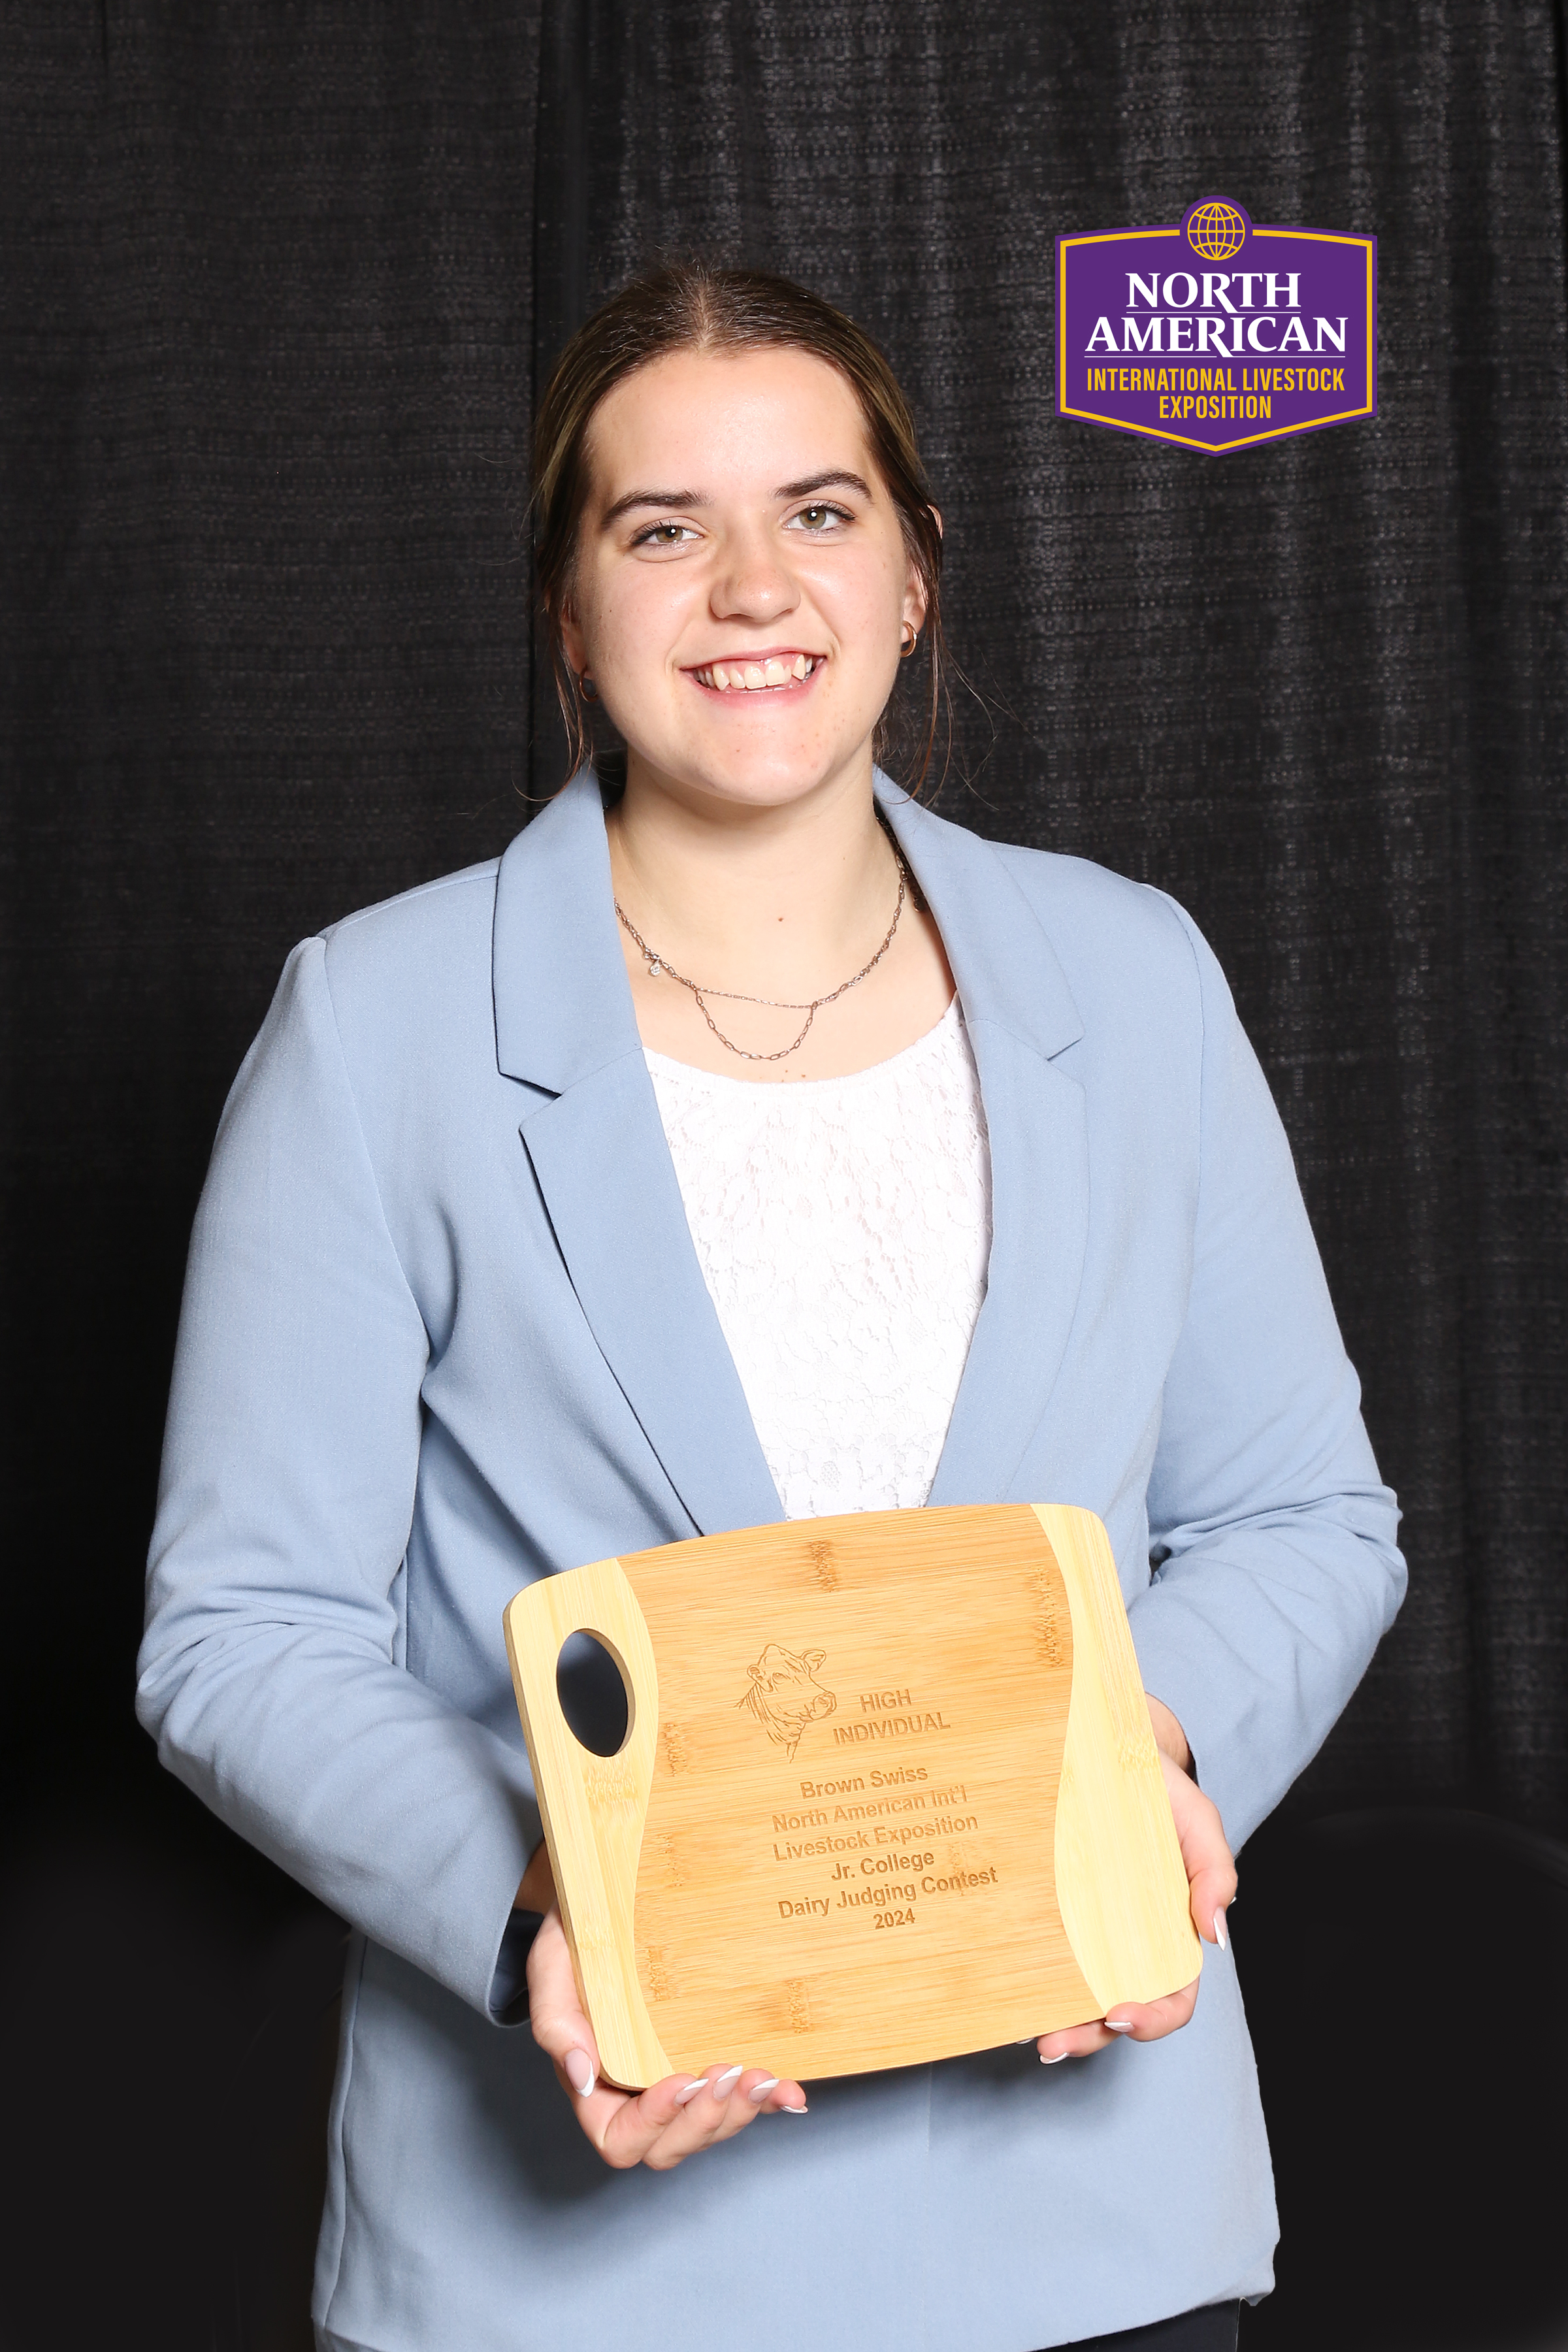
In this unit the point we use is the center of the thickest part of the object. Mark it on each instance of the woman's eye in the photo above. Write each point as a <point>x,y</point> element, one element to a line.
<point>820,519</point>
<point>665,534</point>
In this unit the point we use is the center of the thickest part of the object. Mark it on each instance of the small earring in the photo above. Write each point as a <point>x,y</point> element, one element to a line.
<point>907,646</point>
<point>590,692</point>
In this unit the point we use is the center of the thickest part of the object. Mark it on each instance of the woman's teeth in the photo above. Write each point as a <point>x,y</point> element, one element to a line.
<point>750,678</point>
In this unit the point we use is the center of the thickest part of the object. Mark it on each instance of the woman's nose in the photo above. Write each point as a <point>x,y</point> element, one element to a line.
<point>751,582</point>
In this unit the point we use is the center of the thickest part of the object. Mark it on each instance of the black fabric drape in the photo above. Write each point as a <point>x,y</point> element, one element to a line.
<point>1316,690</point>
<point>279,287</point>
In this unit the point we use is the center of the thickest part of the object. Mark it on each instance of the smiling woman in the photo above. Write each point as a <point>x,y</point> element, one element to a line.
<point>692,312</point>
<point>746,1143</point>
<point>747,632</point>
<point>743,630</point>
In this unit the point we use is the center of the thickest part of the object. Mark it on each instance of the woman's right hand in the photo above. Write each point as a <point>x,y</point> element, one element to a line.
<point>662,2126</point>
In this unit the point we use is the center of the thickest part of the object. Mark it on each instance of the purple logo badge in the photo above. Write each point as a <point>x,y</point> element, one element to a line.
<point>1215,334</point>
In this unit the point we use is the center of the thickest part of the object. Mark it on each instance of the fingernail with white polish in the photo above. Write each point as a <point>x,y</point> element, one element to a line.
<point>684,2097</point>
<point>759,2091</point>
<point>790,2111</point>
<point>726,2082</point>
<point>579,2072</point>
<point>1119,2025</point>
<point>1219,1930</point>
<point>1057,2058</point>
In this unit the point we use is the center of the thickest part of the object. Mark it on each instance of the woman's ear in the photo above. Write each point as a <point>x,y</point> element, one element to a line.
<point>915,597</point>
<point>571,643</point>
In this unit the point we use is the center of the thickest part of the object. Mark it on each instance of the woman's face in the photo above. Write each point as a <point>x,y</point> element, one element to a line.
<point>741,586</point>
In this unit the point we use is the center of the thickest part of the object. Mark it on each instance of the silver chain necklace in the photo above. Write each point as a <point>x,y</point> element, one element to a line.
<point>657,964</point>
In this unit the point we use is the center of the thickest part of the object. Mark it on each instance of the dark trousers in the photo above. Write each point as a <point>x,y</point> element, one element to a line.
<point>1211,2328</point>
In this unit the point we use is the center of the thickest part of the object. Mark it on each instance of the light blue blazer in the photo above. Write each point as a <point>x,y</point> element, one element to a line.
<point>444,1330</point>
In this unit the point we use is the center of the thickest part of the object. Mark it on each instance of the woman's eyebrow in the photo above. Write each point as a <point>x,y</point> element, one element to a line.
<point>653,499</point>
<point>835,480</point>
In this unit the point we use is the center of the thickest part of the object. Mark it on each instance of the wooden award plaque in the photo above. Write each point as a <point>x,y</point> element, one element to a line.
<point>888,1794</point>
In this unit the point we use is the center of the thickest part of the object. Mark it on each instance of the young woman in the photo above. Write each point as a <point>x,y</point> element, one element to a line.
<point>747,1142</point>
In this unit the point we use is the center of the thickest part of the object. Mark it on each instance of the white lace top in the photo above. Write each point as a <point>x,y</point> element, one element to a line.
<point>843,1227</point>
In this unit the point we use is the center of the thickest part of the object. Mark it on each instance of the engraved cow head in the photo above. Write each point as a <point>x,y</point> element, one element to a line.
<point>785,1695</point>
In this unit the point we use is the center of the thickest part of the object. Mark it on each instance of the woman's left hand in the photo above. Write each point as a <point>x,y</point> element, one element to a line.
<point>1211,1889</point>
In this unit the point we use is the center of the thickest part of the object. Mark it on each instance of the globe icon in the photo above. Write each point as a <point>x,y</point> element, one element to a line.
<point>1217,231</point>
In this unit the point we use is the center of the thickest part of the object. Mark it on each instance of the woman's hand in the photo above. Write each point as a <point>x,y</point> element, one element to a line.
<point>660,2127</point>
<point>1211,1889</point>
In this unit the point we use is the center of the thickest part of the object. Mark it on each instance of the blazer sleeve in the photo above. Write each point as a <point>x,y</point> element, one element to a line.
<point>1276,1570</point>
<point>271,1672</point>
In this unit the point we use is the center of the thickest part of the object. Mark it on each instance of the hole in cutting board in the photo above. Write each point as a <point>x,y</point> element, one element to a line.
<point>593,1695</point>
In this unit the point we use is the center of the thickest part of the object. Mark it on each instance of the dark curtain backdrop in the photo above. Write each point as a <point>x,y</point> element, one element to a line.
<point>280,284</point>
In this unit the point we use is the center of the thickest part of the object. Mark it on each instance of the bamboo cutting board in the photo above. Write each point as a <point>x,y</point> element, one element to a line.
<point>888,1794</point>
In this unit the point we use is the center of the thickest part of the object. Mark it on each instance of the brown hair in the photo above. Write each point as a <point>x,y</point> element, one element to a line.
<point>690,306</point>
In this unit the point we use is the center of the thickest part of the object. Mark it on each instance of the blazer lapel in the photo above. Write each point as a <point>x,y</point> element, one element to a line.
<point>1020,1014</point>
<point>566,1029</point>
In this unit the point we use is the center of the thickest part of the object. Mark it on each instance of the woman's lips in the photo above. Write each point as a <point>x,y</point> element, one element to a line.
<point>764,674</point>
